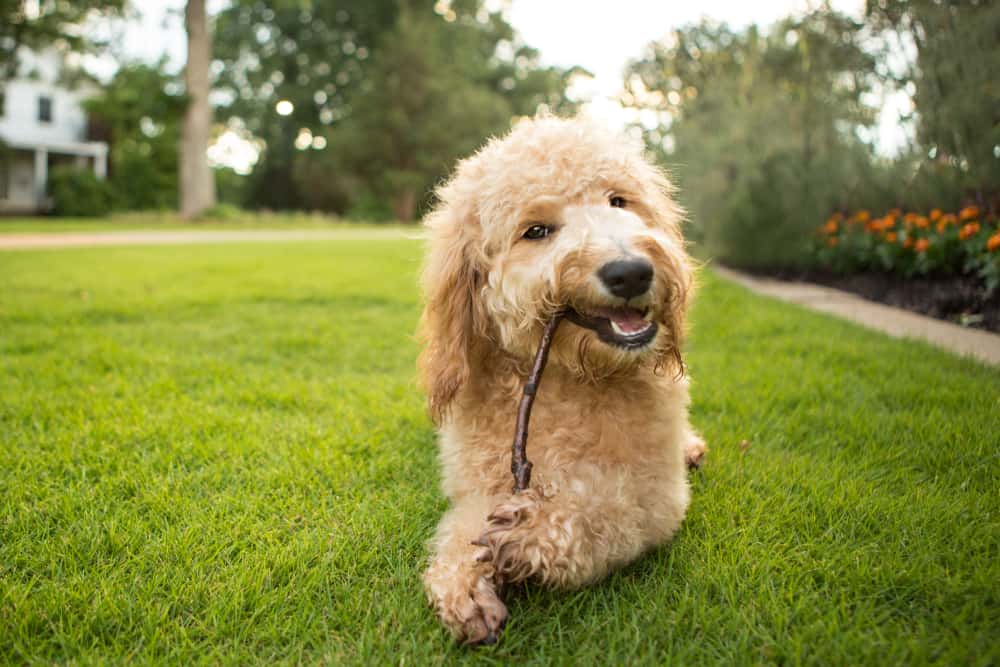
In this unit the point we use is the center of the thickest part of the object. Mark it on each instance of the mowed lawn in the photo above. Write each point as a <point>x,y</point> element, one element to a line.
<point>217,454</point>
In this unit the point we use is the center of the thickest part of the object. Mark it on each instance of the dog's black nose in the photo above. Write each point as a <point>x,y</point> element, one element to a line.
<point>627,277</point>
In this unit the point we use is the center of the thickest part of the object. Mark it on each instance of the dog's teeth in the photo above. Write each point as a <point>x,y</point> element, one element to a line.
<point>621,332</point>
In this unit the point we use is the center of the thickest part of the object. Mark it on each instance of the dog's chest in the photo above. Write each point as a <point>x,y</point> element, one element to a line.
<point>610,424</point>
<point>600,428</point>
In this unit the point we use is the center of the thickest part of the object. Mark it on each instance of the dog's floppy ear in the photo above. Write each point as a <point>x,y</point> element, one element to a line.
<point>452,318</point>
<point>672,261</point>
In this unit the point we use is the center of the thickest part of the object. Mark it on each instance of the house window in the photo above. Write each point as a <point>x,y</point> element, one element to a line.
<point>44,109</point>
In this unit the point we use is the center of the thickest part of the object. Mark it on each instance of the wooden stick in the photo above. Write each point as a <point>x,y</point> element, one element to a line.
<point>520,466</point>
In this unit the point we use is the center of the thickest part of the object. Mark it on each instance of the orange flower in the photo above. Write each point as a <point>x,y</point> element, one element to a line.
<point>968,213</point>
<point>888,222</point>
<point>922,245</point>
<point>830,227</point>
<point>895,212</point>
<point>922,222</point>
<point>993,243</point>
<point>946,219</point>
<point>936,215</point>
<point>970,229</point>
<point>863,215</point>
<point>832,241</point>
<point>891,237</point>
<point>910,218</point>
<point>908,243</point>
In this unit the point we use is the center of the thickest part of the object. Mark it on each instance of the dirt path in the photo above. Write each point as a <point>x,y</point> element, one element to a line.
<point>184,237</point>
<point>896,322</point>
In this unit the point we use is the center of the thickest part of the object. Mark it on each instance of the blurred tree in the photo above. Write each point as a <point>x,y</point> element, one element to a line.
<point>379,97</point>
<point>954,78</point>
<point>231,187</point>
<point>140,119</point>
<point>197,191</point>
<point>435,91</point>
<point>763,128</point>
<point>417,118</point>
<point>308,55</point>
<point>37,25</point>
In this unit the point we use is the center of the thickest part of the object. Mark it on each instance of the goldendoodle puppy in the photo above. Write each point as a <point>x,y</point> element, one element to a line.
<point>559,215</point>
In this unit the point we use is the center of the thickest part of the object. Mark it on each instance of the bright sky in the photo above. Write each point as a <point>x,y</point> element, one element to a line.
<point>589,33</point>
<point>603,39</point>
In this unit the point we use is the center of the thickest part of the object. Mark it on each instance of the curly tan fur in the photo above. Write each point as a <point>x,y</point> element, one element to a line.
<point>610,437</point>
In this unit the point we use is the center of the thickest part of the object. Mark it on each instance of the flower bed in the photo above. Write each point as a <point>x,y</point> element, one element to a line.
<point>911,244</point>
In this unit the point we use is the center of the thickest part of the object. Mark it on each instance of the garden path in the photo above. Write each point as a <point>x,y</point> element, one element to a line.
<point>174,237</point>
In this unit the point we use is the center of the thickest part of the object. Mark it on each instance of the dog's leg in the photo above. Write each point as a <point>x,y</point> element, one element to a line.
<point>574,536</point>
<point>462,588</point>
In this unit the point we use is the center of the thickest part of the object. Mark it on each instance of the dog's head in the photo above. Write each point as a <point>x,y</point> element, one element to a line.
<point>558,216</point>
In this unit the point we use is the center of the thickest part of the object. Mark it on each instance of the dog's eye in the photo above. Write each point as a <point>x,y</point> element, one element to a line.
<point>617,202</point>
<point>536,232</point>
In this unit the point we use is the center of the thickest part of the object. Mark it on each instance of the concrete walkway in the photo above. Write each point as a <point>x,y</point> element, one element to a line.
<point>896,322</point>
<point>185,237</point>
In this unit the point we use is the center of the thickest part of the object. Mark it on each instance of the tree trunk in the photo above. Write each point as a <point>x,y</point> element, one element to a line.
<point>197,183</point>
<point>404,205</point>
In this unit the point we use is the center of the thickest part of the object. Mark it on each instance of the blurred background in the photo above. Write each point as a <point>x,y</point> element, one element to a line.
<point>774,117</point>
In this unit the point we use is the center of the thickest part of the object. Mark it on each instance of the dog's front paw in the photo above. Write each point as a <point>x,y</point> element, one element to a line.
<point>511,541</point>
<point>468,605</point>
<point>694,453</point>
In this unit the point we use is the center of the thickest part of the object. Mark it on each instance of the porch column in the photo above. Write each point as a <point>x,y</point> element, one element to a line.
<point>41,175</point>
<point>101,163</point>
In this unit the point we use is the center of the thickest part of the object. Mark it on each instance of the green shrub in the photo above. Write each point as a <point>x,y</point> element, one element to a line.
<point>369,207</point>
<point>78,192</point>
<point>230,186</point>
<point>222,213</point>
<point>142,180</point>
<point>142,122</point>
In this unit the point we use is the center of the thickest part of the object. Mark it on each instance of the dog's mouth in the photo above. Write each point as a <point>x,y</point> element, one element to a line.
<point>627,328</point>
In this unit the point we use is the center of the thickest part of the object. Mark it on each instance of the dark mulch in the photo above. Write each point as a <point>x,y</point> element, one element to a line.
<point>958,299</point>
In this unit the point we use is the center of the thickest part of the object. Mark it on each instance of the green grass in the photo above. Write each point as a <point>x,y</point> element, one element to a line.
<point>217,455</point>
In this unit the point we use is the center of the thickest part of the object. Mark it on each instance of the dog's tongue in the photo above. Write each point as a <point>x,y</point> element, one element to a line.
<point>629,320</point>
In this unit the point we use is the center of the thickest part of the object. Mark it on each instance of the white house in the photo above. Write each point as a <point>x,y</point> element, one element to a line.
<point>43,125</point>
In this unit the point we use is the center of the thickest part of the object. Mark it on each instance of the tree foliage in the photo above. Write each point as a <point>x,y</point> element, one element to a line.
<point>762,128</point>
<point>390,94</point>
<point>411,125</point>
<point>141,121</point>
<point>312,55</point>
<point>44,24</point>
<point>769,130</point>
<point>954,79</point>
